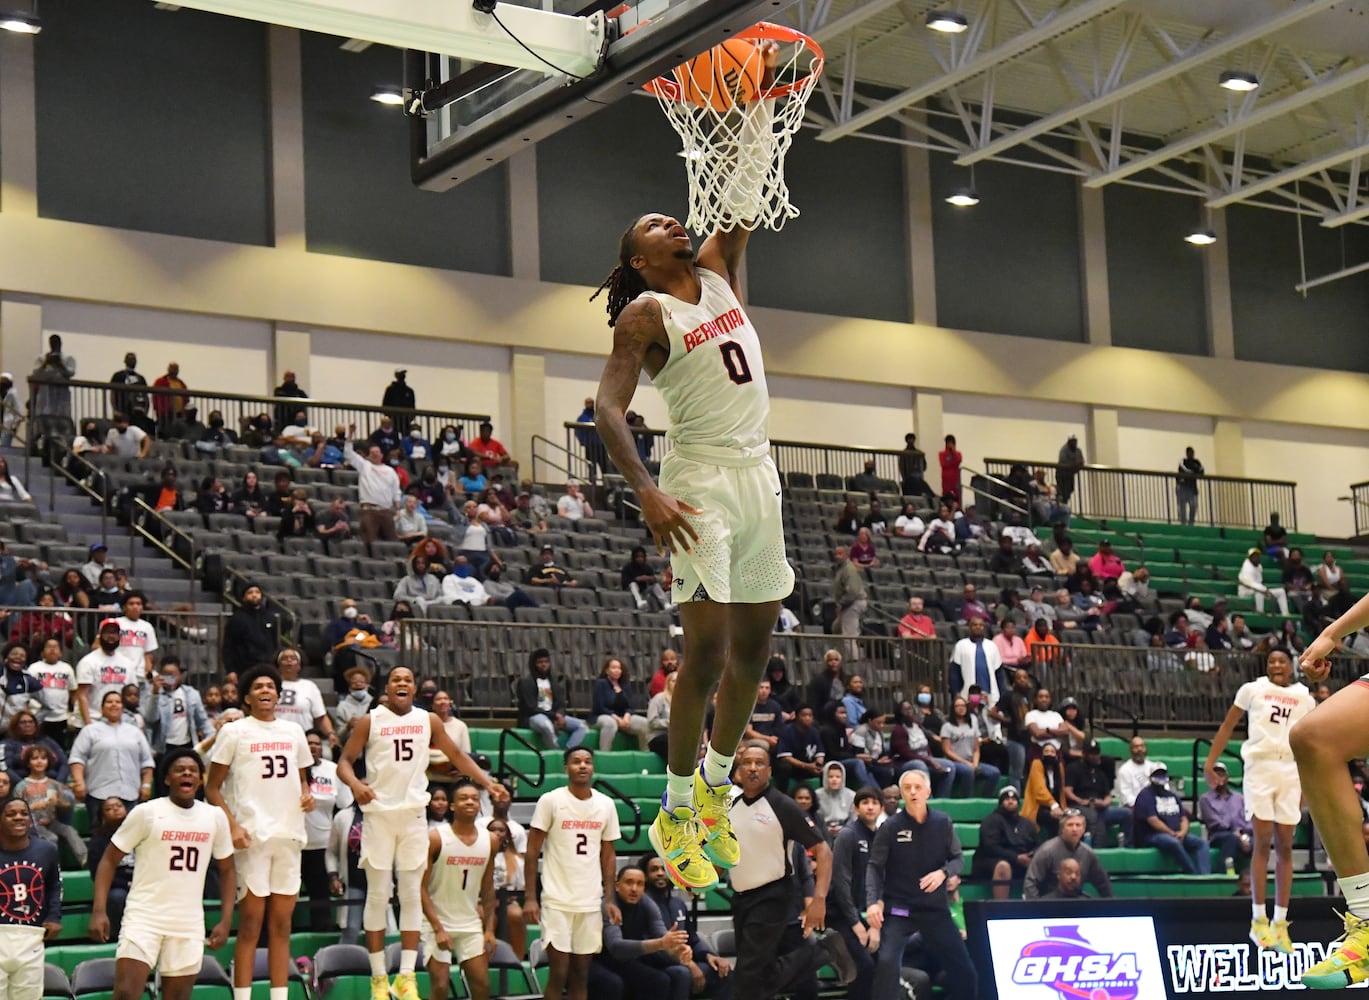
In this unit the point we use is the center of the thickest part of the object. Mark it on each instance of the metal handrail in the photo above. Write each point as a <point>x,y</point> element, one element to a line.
<point>504,768</point>
<point>1132,717</point>
<point>1359,506</point>
<point>613,791</point>
<point>1203,741</point>
<point>54,464</point>
<point>138,524</point>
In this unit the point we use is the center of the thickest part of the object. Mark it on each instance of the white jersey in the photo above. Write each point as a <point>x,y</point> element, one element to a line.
<point>300,702</point>
<point>330,795</point>
<point>174,846</point>
<point>714,381</point>
<point>265,761</point>
<point>59,688</point>
<point>572,880</point>
<point>105,673</point>
<point>397,759</point>
<point>454,884</point>
<point>136,639</point>
<point>1270,713</point>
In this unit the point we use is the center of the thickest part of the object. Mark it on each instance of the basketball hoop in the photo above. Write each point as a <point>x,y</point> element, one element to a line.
<point>734,149</point>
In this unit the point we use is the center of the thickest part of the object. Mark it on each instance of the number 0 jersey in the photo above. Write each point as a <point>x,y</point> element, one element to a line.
<point>397,759</point>
<point>455,881</point>
<point>1270,713</point>
<point>174,846</point>
<point>714,381</point>
<point>265,761</point>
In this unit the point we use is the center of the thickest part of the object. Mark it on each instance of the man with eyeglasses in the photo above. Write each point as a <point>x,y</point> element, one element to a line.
<point>1043,874</point>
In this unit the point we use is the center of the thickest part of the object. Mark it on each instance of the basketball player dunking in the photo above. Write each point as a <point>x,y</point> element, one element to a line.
<point>395,738</point>
<point>678,316</point>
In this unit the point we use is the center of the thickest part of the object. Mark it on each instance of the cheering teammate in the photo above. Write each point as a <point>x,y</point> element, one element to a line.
<point>577,825</point>
<point>30,901</point>
<point>458,899</point>
<point>1273,796</point>
<point>163,926</point>
<point>266,761</point>
<point>395,739</point>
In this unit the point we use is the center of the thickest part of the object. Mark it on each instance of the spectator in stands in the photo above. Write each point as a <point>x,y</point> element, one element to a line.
<point>385,436</point>
<point>21,691</point>
<point>1133,774</point>
<point>1007,841</point>
<point>845,902</point>
<point>399,399</point>
<point>1251,582</point>
<point>940,534</point>
<point>22,734</point>
<point>658,717</point>
<point>799,755</point>
<point>611,711</point>
<point>502,592</point>
<point>417,449</point>
<point>166,494</point>
<point>1218,635</point>
<point>1037,607</point>
<point>912,469</point>
<point>490,451</point>
<point>1329,575</point>
<point>865,481</point>
<point>854,698</point>
<point>1135,589</point>
<point>1088,788</point>
<point>961,736</point>
<point>418,585</point>
<point>58,681</point>
<point>173,712</point>
<point>72,591</point>
<point>547,572</point>
<point>971,607</point>
<point>476,543</point>
<point>862,551</point>
<point>836,745</point>
<point>281,498</point>
<point>1275,539</point>
<point>1106,564</point>
<point>541,707</point>
<point>908,524</point>
<point>873,749</point>
<point>170,405</point>
<point>50,802</point>
<point>916,624</point>
<point>848,521</point>
<point>1047,726</point>
<point>1018,533</point>
<point>250,501</point>
<point>354,703</point>
<point>850,593</point>
<point>1186,486</point>
<point>789,695</point>
<point>1044,800</point>
<point>767,718</point>
<point>473,481</point>
<point>975,660</point>
<point>216,436</point>
<point>1012,651</point>
<point>103,825</point>
<point>109,595</point>
<point>950,459</point>
<point>1298,578</point>
<point>642,581</point>
<point>11,489</point>
<point>111,756</point>
<point>378,490</point>
<point>1064,560</point>
<point>34,628</point>
<point>91,570</point>
<point>1070,462</point>
<point>127,440</point>
<point>1044,505</point>
<point>1068,848</point>
<point>298,520</point>
<point>1004,559</point>
<point>1073,745</point>
<point>875,519</point>
<point>523,515</point>
<point>644,957</point>
<point>334,525</point>
<point>927,714</point>
<point>910,746</point>
<point>669,662</point>
<point>1068,613</point>
<point>289,388</point>
<point>1160,821</point>
<point>410,525</point>
<point>1228,828</point>
<point>11,413</point>
<point>252,634</point>
<point>830,684</point>
<point>460,586</point>
<point>495,515</point>
<point>1179,635</point>
<point>835,802</point>
<point>212,498</point>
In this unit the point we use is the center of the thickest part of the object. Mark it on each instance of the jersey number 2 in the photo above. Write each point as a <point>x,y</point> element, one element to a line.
<point>581,843</point>
<point>734,360</point>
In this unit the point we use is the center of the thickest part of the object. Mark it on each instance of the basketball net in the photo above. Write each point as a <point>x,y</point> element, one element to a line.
<point>734,158</point>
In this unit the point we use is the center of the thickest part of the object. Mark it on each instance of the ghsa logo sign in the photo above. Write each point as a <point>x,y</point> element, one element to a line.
<point>1065,962</point>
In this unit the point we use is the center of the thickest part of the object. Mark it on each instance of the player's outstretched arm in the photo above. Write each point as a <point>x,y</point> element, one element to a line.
<point>1219,743</point>
<point>228,896</point>
<point>461,760</point>
<point>356,744</point>
<point>1329,641</point>
<point>213,794</point>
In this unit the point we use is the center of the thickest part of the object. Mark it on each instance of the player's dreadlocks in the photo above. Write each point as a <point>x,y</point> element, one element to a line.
<point>623,283</point>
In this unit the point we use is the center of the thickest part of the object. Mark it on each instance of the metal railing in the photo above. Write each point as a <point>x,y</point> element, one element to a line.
<point>1359,505</point>
<point>1146,495</point>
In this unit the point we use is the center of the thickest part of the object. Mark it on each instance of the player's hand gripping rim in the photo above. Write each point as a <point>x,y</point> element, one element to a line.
<point>665,516</point>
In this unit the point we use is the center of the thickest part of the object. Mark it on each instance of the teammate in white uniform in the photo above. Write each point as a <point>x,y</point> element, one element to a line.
<point>574,824</point>
<point>395,739</point>
<point>458,899</point>
<point>266,762</point>
<point>1272,791</point>
<point>717,508</point>
<point>163,924</point>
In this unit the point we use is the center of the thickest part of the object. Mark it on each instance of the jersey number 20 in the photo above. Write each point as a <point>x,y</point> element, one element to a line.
<point>734,360</point>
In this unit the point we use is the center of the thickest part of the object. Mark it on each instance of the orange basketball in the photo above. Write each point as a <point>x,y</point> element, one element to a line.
<point>723,77</point>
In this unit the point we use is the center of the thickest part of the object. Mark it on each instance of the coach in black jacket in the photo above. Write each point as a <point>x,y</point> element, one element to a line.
<point>914,852</point>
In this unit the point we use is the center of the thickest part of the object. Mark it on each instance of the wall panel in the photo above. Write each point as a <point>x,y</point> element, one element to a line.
<point>1322,461</point>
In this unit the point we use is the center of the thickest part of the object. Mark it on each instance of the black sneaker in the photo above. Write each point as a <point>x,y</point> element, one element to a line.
<point>838,957</point>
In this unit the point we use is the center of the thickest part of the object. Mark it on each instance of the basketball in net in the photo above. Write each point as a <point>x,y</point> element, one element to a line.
<point>736,108</point>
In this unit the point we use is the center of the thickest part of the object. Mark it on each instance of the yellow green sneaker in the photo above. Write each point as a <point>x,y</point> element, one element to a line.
<point>380,988</point>
<point>1278,933</point>
<point>720,843</point>
<point>1261,933</point>
<point>678,838</point>
<point>406,986</point>
<point>1348,963</point>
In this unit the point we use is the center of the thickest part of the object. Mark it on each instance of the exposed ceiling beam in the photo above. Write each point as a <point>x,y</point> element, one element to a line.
<point>1346,217</point>
<point>1267,113</point>
<point>1011,48</point>
<point>1293,173</point>
<point>1144,82</point>
<point>852,19</point>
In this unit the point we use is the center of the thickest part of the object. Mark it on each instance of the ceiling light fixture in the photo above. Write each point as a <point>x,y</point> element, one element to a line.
<point>389,95</point>
<point>21,23</point>
<point>949,22</point>
<point>1238,80</point>
<point>1201,238</point>
<point>965,197</point>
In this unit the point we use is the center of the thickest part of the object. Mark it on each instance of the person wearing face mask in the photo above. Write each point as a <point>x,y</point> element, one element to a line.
<point>390,632</point>
<point>394,458</point>
<point>173,712</point>
<point>503,593</point>
<point>460,586</point>
<point>355,703</point>
<point>417,448</point>
<point>288,389</point>
<point>1160,821</point>
<point>216,435</point>
<point>11,414</point>
<point>344,635</point>
<point>1044,800</point>
<point>451,446</point>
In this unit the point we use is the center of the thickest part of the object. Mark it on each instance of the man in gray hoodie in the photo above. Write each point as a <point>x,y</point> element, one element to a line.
<point>835,802</point>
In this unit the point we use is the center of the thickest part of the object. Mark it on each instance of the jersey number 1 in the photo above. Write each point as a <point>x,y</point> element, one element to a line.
<point>734,360</point>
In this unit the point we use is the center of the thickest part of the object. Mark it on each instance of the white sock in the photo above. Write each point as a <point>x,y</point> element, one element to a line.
<point>280,993</point>
<point>408,958</point>
<point>242,993</point>
<point>1355,889</point>
<point>717,767</point>
<point>1280,913</point>
<point>1257,911</point>
<point>679,790</point>
<point>377,963</point>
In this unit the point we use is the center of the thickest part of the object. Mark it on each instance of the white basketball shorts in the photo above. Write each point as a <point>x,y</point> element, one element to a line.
<point>269,868</point>
<point>572,933</point>
<point>171,956</point>
<point>394,839</point>
<point>1273,792</point>
<point>466,945</point>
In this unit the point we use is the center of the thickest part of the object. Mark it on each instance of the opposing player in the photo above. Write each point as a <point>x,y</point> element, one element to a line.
<point>266,762</point>
<point>163,925</point>
<point>1334,734</point>
<point>1273,794</point>
<point>458,899</point>
<point>678,316</point>
<point>577,826</point>
<point>30,901</point>
<point>395,739</point>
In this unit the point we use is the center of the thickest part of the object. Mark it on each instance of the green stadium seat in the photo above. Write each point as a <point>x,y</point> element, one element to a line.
<point>77,887</point>
<point>965,810</point>
<point>968,834</point>
<point>68,956</point>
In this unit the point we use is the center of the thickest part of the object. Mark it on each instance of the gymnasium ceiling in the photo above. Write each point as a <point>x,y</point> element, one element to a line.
<point>1115,91</point>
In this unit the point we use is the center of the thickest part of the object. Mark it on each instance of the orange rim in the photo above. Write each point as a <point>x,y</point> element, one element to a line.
<point>667,87</point>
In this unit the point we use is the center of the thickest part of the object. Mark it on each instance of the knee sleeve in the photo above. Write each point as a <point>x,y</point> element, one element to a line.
<point>410,900</point>
<point>378,887</point>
